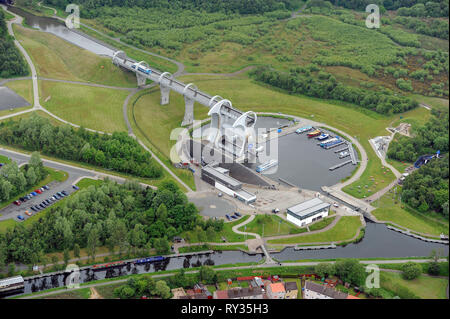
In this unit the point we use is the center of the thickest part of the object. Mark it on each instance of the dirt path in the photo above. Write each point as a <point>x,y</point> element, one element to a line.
<point>95,294</point>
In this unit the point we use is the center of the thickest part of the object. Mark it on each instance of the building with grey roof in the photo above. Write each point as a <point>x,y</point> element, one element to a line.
<point>308,212</point>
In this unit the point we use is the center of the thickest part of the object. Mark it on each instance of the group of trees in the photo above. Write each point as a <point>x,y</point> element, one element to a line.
<point>15,180</point>
<point>348,270</point>
<point>143,286</point>
<point>91,7</point>
<point>124,217</point>
<point>427,188</point>
<point>146,286</point>
<point>11,61</point>
<point>428,139</point>
<point>417,8</point>
<point>326,86</point>
<point>435,28</point>
<point>117,151</point>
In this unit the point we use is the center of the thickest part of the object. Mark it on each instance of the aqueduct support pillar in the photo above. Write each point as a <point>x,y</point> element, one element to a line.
<point>165,94</point>
<point>141,80</point>
<point>189,111</point>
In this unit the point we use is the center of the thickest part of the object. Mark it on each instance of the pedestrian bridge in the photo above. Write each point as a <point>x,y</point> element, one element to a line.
<point>231,129</point>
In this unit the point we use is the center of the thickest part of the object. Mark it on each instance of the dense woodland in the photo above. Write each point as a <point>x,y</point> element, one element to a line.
<point>428,139</point>
<point>125,217</point>
<point>427,188</point>
<point>325,86</point>
<point>118,151</point>
<point>15,180</point>
<point>11,61</point>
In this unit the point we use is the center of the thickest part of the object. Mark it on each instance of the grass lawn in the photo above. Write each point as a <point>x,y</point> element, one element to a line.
<point>271,224</point>
<point>389,209</point>
<point>322,223</point>
<point>434,102</point>
<point>227,233</point>
<point>91,107</point>
<point>24,88</point>
<point>107,291</point>
<point>59,59</point>
<point>86,182</point>
<point>424,287</point>
<point>83,293</point>
<point>4,159</point>
<point>346,228</point>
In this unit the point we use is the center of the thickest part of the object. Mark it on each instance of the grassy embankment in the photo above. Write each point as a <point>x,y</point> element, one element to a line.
<point>58,59</point>
<point>389,208</point>
<point>345,229</point>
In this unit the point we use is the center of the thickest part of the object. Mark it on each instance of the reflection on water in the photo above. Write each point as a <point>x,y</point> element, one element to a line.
<point>57,28</point>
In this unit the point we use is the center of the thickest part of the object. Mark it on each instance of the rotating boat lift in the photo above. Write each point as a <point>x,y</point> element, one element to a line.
<point>231,130</point>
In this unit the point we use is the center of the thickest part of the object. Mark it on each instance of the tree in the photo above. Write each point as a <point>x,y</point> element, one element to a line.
<point>124,292</point>
<point>11,269</point>
<point>161,245</point>
<point>66,256</point>
<point>76,250</point>
<point>31,176</point>
<point>162,290</point>
<point>93,242</point>
<point>350,270</point>
<point>207,275</point>
<point>411,270</point>
<point>324,269</point>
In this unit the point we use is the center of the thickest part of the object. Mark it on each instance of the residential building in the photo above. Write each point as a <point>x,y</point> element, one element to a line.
<point>276,291</point>
<point>291,290</point>
<point>245,293</point>
<point>316,291</point>
<point>178,293</point>
<point>308,212</point>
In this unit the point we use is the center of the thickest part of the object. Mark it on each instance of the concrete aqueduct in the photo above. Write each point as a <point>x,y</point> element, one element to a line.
<point>231,129</point>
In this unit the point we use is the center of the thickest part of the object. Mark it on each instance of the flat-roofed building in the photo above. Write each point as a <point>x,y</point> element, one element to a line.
<point>308,212</point>
<point>219,178</point>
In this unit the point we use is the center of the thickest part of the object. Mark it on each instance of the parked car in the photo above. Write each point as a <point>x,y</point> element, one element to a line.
<point>336,205</point>
<point>20,217</point>
<point>275,211</point>
<point>228,217</point>
<point>38,191</point>
<point>237,214</point>
<point>34,193</point>
<point>42,189</point>
<point>34,209</point>
<point>16,202</point>
<point>1,164</point>
<point>75,187</point>
<point>57,196</point>
<point>234,217</point>
<point>60,194</point>
<point>41,206</point>
<point>65,193</point>
<point>28,213</point>
<point>220,195</point>
<point>46,187</point>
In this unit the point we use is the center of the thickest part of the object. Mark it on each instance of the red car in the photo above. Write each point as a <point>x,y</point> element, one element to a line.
<point>38,191</point>
<point>17,203</point>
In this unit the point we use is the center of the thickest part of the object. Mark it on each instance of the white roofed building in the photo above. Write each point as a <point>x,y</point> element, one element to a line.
<point>308,212</point>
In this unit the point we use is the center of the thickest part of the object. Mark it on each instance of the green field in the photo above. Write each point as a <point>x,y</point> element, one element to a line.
<point>91,107</point>
<point>83,293</point>
<point>86,182</point>
<point>59,59</point>
<point>390,209</point>
<point>424,287</point>
<point>273,226</point>
<point>346,228</point>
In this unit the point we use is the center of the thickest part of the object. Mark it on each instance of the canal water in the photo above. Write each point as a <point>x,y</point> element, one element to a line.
<point>378,242</point>
<point>59,29</point>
